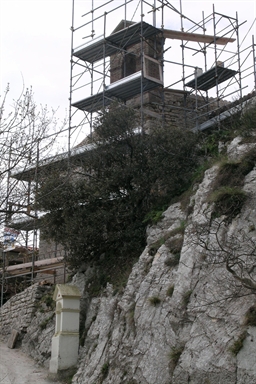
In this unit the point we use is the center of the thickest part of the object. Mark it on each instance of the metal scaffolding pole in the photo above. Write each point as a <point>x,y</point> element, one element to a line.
<point>216,58</point>
<point>3,277</point>
<point>71,79</point>
<point>142,68</point>
<point>238,58</point>
<point>254,61</point>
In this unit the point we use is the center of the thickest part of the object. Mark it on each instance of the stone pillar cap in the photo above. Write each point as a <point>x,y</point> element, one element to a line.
<point>64,290</point>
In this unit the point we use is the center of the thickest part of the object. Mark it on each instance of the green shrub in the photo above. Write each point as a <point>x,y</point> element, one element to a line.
<point>44,323</point>
<point>186,297</point>
<point>228,201</point>
<point>228,195</point>
<point>248,122</point>
<point>176,353</point>
<point>174,244</point>
<point>170,290</point>
<point>105,369</point>
<point>154,216</point>
<point>238,344</point>
<point>210,140</point>
<point>172,261</point>
<point>46,302</point>
<point>198,175</point>
<point>111,269</point>
<point>248,161</point>
<point>232,173</point>
<point>69,380</point>
<point>229,174</point>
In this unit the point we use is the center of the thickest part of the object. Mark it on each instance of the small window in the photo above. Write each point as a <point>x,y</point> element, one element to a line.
<point>129,64</point>
<point>152,69</point>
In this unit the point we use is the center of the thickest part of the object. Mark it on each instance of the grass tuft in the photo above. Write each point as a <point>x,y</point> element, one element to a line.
<point>186,297</point>
<point>105,369</point>
<point>176,353</point>
<point>238,344</point>
<point>154,300</point>
<point>170,290</point>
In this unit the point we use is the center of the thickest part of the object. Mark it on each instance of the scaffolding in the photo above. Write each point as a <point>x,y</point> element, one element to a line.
<point>126,51</point>
<point>27,142</point>
<point>22,263</point>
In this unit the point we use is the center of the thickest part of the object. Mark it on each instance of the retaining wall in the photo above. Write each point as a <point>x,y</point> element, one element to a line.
<point>18,312</point>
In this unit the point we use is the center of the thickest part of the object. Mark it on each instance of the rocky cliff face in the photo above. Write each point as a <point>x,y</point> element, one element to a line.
<point>182,316</point>
<point>177,320</point>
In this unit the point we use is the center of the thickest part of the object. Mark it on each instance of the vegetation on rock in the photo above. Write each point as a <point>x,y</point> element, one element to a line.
<point>154,300</point>
<point>176,353</point>
<point>238,343</point>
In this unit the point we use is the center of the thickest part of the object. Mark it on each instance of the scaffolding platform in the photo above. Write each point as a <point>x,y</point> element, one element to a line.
<point>209,78</point>
<point>101,47</point>
<point>123,89</point>
<point>43,266</point>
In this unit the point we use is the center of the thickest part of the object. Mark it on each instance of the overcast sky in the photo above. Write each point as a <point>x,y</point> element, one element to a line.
<point>35,42</point>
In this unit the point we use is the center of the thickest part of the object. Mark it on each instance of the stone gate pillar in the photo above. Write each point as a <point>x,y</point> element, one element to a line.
<point>65,342</point>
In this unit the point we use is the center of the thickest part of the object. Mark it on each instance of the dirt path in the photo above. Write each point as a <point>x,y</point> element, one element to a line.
<point>17,368</point>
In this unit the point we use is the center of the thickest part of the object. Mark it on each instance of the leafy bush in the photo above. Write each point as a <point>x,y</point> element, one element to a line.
<point>116,188</point>
<point>111,269</point>
<point>46,303</point>
<point>124,183</point>
<point>210,139</point>
<point>48,300</point>
<point>153,216</point>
